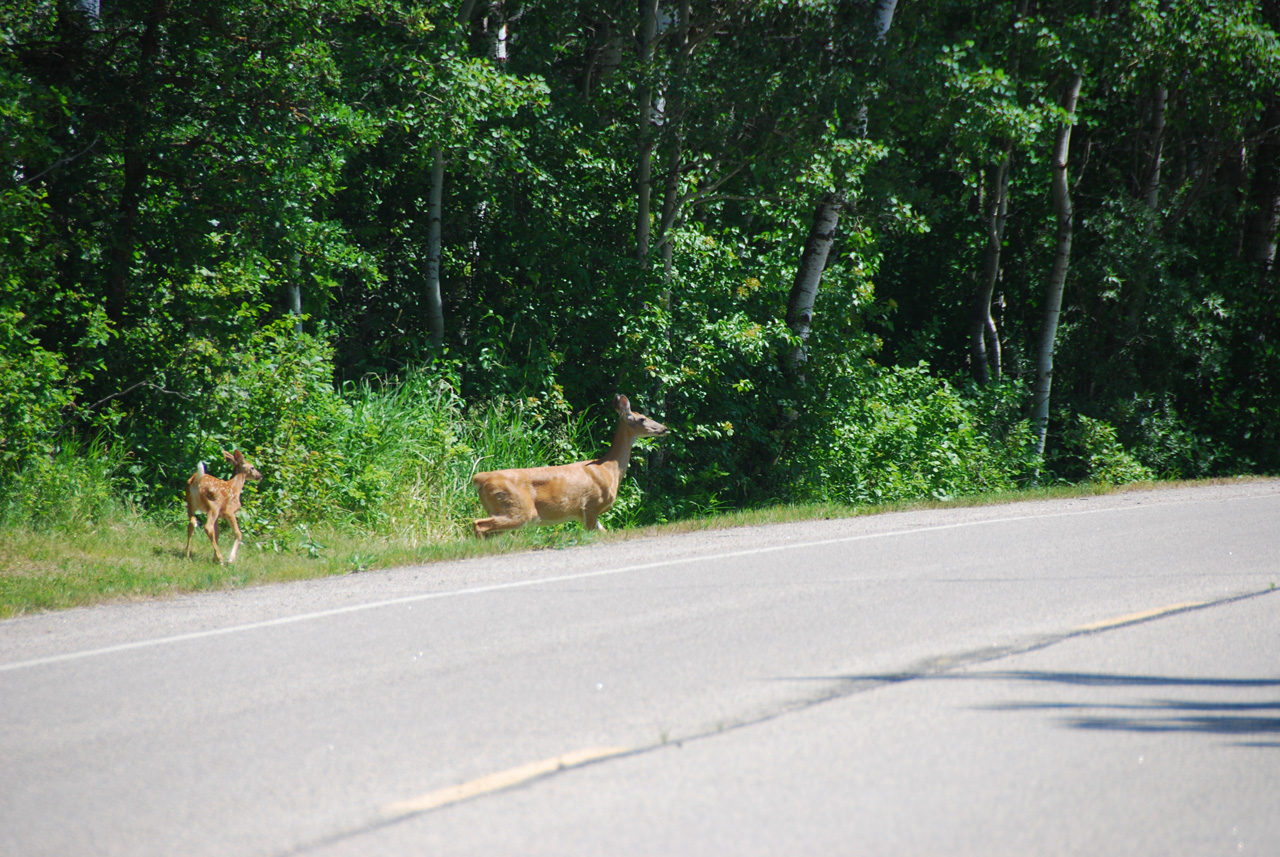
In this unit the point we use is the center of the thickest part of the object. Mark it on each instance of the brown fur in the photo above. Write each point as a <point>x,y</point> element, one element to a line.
<point>582,491</point>
<point>218,498</point>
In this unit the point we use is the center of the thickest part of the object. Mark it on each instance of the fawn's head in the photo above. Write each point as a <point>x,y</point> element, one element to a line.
<point>241,466</point>
<point>638,424</point>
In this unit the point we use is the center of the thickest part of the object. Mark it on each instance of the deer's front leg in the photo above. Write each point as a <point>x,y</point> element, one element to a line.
<point>235,526</point>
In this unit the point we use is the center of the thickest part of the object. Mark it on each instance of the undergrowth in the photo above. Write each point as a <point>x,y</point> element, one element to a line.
<point>379,474</point>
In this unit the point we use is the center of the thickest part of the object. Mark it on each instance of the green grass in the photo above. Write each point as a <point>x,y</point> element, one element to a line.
<point>130,556</point>
<point>391,479</point>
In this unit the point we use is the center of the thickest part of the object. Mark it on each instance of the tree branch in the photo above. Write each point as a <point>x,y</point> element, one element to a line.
<point>61,161</point>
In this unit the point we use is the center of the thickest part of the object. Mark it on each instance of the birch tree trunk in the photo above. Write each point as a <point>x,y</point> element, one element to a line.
<point>644,191</point>
<point>804,290</point>
<point>295,290</point>
<point>984,337</point>
<point>1264,194</point>
<point>1151,187</point>
<point>1058,273</point>
<point>884,10</point>
<point>675,118</point>
<point>826,217</point>
<point>435,305</point>
<point>466,11</point>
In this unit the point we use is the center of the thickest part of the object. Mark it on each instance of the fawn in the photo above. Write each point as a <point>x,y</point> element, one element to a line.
<point>566,492</point>
<point>218,498</point>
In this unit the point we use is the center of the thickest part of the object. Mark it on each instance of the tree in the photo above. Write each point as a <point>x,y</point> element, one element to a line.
<point>984,337</point>
<point>1064,212</point>
<point>826,218</point>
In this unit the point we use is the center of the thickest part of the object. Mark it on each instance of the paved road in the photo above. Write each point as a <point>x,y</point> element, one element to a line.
<point>1097,676</point>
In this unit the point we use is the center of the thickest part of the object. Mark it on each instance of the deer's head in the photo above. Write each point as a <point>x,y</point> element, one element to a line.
<point>637,424</point>
<point>240,466</point>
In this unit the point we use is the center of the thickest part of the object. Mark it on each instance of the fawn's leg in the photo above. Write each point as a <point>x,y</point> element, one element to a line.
<point>191,528</point>
<point>211,528</point>
<point>235,547</point>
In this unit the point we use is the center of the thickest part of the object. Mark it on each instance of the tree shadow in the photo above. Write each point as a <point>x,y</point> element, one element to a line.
<point>1164,715</point>
<point>1259,720</point>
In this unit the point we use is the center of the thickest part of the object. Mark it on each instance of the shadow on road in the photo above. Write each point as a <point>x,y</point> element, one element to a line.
<point>1209,717</point>
<point>1251,718</point>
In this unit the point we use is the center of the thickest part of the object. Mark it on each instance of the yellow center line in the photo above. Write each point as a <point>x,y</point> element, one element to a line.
<point>1140,616</point>
<point>500,780</point>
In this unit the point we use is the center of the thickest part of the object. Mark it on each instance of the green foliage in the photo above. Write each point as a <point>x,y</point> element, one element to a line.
<point>1091,450</point>
<point>34,396</point>
<point>390,456</point>
<point>174,172</point>
<point>911,435</point>
<point>38,386</point>
<point>71,489</point>
<point>1164,441</point>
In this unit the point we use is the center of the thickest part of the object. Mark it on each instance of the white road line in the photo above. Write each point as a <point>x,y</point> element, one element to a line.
<point>523,584</point>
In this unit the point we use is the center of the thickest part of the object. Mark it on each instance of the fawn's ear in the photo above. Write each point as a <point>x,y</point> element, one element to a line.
<point>228,456</point>
<point>621,405</point>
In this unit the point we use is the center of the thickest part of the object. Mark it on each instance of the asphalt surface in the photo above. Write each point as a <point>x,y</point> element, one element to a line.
<point>1098,675</point>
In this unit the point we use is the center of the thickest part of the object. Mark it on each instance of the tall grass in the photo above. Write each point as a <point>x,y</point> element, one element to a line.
<point>69,490</point>
<point>410,450</point>
<point>379,474</point>
<point>392,485</point>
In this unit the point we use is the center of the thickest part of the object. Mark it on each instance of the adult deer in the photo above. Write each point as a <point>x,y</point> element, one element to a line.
<point>582,491</point>
<point>218,498</point>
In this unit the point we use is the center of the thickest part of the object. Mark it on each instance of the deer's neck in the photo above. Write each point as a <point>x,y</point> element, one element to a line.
<point>620,450</point>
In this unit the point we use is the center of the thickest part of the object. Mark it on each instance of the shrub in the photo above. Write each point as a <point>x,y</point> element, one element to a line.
<point>1091,450</point>
<point>71,488</point>
<point>912,436</point>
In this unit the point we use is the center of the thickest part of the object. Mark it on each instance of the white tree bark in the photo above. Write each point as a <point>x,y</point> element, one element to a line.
<point>435,305</point>
<point>1261,229</point>
<point>647,34</point>
<point>817,247</point>
<point>1058,273</point>
<point>1151,188</point>
<point>984,337</point>
<point>884,16</point>
<point>675,114</point>
<point>295,290</point>
<point>813,261</point>
<point>883,20</point>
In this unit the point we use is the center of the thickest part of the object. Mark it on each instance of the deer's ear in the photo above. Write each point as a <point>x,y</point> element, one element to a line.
<point>228,456</point>
<point>621,404</point>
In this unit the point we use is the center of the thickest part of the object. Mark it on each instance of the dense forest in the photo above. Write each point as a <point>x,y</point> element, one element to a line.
<point>848,250</point>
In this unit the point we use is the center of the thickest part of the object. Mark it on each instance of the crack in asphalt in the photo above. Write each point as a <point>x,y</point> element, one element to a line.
<point>841,687</point>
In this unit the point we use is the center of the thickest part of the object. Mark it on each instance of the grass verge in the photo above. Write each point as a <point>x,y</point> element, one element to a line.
<point>132,557</point>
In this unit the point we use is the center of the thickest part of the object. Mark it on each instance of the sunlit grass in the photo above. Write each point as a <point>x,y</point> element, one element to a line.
<point>131,556</point>
<point>67,539</point>
<point>134,557</point>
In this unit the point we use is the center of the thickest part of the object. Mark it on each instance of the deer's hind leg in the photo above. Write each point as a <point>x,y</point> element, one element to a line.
<point>211,530</point>
<point>496,524</point>
<point>508,510</point>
